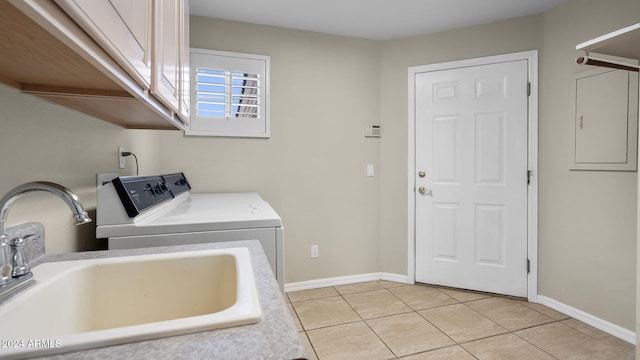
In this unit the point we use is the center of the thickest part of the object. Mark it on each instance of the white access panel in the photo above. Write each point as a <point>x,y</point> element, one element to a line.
<point>604,131</point>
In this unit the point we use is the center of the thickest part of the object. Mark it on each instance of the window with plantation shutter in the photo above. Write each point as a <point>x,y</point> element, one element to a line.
<point>229,94</point>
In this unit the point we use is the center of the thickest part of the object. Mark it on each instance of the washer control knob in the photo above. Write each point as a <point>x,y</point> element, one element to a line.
<point>162,188</point>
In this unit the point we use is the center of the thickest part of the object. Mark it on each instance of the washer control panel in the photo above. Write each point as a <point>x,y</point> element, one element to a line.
<point>140,193</point>
<point>177,183</point>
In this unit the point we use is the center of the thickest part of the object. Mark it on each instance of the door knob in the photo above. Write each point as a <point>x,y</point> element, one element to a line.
<point>422,174</point>
<point>424,191</point>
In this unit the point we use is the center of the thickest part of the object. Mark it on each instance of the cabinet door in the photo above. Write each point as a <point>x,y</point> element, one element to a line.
<point>165,82</point>
<point>605,121</point>
<point>185,91</point>
<point>122,28</point>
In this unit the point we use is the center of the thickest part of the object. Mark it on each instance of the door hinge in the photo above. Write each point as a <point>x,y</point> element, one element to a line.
<point>528,266</point>
<point>528,177</point>
<point>528,89</point>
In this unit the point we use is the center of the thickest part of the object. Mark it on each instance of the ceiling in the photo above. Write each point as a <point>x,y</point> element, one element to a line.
<point>371,19</point>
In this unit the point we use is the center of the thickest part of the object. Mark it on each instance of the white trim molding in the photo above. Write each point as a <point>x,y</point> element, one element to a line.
<point>610,328</point>
<point>344,280</point>
<point>532,227</point>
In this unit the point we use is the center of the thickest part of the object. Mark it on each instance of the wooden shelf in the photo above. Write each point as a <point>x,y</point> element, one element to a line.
<point>623,43</point>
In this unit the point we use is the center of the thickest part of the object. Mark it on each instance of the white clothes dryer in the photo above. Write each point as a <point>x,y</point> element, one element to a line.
<point>149,211</point>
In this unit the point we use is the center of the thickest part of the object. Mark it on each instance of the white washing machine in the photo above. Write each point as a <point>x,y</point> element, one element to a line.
<point>148,211</point>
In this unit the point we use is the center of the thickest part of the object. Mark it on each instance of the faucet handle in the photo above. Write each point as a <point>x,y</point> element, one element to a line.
<point>25,237</point>
<point>5,261</point>
<point>19,263</point>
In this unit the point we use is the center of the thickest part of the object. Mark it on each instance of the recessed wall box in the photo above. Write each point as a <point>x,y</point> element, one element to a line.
<point>605,122</point>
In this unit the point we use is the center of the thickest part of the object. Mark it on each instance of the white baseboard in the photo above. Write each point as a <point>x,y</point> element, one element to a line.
<point>344,280</point>
<point>610,328</point>
<point>394,277</point>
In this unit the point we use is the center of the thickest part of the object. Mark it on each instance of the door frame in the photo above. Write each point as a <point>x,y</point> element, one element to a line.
<point>532,193</point>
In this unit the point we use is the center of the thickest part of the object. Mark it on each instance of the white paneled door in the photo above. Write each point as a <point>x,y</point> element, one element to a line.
<point>471,177</point>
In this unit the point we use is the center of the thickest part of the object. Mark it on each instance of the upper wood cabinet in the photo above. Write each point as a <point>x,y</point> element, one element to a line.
<point>122,28</point>
<point>185,61</point>
<point>166,55</point>
<point>118,60</point>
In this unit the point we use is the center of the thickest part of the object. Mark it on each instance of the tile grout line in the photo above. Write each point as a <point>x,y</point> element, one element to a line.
<point>530,327</point>
<point>365,321</point>
<point>315,352</point>
<point>434,325</point>
<point>509,331</point>
<point>412,310</point>
<point>427,320</point>
<point>464,342</point>
<point>303,329</point>
<point>461,344</point>
<point>345,323</point>
<point>554,320</point>
<point>534,345</point>
<point>561,322</point>
<point>586,334</point>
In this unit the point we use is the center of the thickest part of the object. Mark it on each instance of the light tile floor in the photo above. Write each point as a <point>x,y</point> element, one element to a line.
<point>387,320</point>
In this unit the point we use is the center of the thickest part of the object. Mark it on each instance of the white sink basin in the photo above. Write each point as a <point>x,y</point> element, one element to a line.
<point>85,304</point>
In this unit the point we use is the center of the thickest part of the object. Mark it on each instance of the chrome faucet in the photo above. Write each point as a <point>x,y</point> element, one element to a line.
<point>65,194</point>
<point>14,269</point>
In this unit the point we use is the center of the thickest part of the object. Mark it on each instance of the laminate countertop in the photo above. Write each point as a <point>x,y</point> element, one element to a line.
<point>275,337</point>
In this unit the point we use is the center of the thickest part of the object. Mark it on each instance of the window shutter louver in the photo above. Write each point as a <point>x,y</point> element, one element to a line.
<point>230,96</point>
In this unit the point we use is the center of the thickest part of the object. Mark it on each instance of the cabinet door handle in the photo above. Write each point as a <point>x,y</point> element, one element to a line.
<point>580,122</point>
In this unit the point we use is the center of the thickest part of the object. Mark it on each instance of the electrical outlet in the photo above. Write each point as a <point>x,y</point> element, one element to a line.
<point>121,163</point>
<point>314,251</point>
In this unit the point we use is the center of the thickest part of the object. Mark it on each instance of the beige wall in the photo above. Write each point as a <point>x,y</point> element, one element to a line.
<point>324,90</point>
<point>396,56</point>
<point>44,141</point>
<point>312,170</point>
<point>587,218</point>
